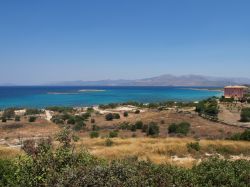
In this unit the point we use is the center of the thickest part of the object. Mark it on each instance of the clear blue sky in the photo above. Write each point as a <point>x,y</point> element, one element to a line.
<point>45,41</point>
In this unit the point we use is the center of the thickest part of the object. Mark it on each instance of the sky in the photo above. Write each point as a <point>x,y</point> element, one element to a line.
<point>47,41</point>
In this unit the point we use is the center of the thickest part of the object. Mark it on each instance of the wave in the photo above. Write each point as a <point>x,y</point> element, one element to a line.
<point>91,90</point>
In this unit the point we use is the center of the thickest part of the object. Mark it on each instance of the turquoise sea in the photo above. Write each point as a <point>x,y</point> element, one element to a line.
<point>43,96</point>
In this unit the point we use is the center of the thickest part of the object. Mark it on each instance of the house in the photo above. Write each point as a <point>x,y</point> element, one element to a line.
<point>236,92</point>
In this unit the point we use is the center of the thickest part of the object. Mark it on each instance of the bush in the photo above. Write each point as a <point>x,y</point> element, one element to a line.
<point>137,112</point>
<point>113,134</point>
<point>109,117</point>
<point>4,120</point>
<point>193,146</point>
<point>242,136</point>
<point>144,128</point>
<point>9,113</point>
<point>32,119</point>
<point>60,109</point>
<point>95,128</point>
<point>133,128</point>
<point>116,116</point>
<point>17,118</point>
<point>125,114</point>
<point>153,129</point>
<point>92,120</point>
<point>33,111</point>
<point>71,120</point>
<point>208,109</point>
<point>181,128</point>
<point>109,142</point>
<point>139,124</point>
<point>245,115</point>
<point>94,134</point>
<point>79,126</point>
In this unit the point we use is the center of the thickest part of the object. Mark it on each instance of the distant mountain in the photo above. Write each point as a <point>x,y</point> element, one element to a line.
<point>163,80</point>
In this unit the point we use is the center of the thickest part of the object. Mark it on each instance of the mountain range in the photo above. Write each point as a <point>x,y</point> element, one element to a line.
<point>164,80</point>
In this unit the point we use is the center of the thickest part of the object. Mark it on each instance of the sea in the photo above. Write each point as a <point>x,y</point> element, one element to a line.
<point>79,96</point>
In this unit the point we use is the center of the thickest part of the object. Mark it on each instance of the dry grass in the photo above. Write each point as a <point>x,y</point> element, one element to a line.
<point>163,150</point>
<point>7,152</point>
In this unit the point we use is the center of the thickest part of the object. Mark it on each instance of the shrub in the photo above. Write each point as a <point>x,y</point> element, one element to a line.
<point>162,121</point>
<point>124,126</point>
<point>95,128</point>
<point>79,125</point>
<point>137,112</point>
<point>32,119</point>
<point>60,109</point>
<point>109,117</point>
<point>242,136</point>
<point>153,129</point>
<point>116,116</point>
<point>4,120</point>
<point>71,120</point>
<point>113,134</point>
<point>133,128</point>
<point>208,109</point>
<point>181,128</point>
<point>33,111</point>
<point>92,120</point>
<point>17,118</point>
<point>9,113</point>
<point>109,142</point>
<point>139,124</point>
<point>94,134</point>
<point>144,128</point>
<point>245,115</point>
<point>125,114</point>
<point>193,146</point>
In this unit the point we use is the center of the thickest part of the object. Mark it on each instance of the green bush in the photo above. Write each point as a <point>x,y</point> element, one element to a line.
<point>125,114</point>
<point>32,119</point>
<point>9,113</point>
<point>95,128</point>
<point>133,128</point>
<point>94,134</point>
<point>17,118</point>
<point>79,125</point>
<point>139,124</point>
<point>137,112</point>
<point>116,116</point>
<point>109,142</point>
<point>71,120</point>
<point>33,111</point>
<point>153,129</point>
<point>245,115</point>
<point>109,117</point>
<point>125,126</point>
<point>44,165</point>
<point>241,136</point>
<point>4,120</point>
<point>61,109</point>
<point>194,146</point>
<point>113,134</point>
<point>208,109</point>
<point>181,128</point>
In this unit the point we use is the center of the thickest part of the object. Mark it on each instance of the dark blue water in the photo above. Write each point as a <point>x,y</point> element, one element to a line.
<point>41,97</point>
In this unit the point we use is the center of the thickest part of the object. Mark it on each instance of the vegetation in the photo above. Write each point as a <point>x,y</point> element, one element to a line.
<point>245,115</point>
<point>9,113</point>
<point>242,136</point>
<point>208,109</point>
<point>109,117</point>
<point>153,129</point>
<point>193,146</point>
<point>181,128</point>
<point>125,114</point>
<point>139,124</point>
<point>62,166</point>
<point>33,111</point>
<point>32,119</point>
<point>94,134</point>
<point>137,112</point>
<point>61,109</point>
<point>227,100</point>
<point>17,118</point>
<point>113,134</point>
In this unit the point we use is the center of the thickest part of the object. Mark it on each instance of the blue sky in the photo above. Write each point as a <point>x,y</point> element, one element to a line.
<point>56,40</point>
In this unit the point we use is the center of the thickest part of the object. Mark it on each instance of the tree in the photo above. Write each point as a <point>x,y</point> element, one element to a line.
<point>109,117</point>
<point>153,129</point>
<point>125,114</point>
<point>245,115</point>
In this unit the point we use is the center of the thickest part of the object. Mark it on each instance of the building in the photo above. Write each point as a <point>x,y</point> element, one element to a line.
<point>236,92</point>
